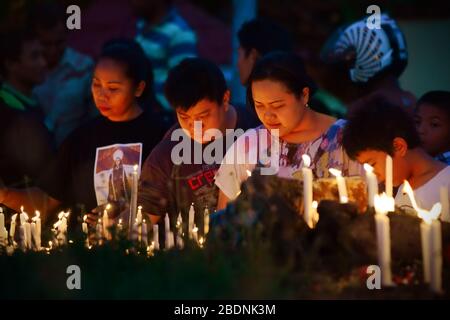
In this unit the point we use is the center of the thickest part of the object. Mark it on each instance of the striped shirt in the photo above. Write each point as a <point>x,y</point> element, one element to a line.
<point>166,44</point>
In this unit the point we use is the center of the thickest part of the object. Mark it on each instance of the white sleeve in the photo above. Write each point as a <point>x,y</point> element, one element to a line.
<point>234,168</point>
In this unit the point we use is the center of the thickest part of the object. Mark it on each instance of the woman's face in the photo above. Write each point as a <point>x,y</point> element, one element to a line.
<point>277,108</point>
<point>114,93</point>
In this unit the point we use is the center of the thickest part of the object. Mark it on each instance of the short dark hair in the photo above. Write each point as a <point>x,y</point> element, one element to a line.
<point>138,67</point>
<point>192,80</point>
<point>11,45</point>
<point>439,99</point>
<point>48,15</point>
<point>285,67</point>
<point>374,125</point>
<point>264,36</point>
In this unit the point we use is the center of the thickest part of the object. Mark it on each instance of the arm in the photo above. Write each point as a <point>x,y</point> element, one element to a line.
<point>31,199</point>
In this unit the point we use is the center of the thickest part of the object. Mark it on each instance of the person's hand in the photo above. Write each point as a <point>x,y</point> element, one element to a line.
<point>114,211</point>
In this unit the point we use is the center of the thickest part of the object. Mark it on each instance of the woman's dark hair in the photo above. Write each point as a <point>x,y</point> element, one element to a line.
<point>439,99</point>
<point>374,125</point>
<point>137,66</point>
<point>285,67</point>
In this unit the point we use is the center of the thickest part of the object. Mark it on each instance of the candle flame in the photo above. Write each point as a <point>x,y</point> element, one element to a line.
<point>143,221</point>
<point>21,208</point>
<point>306,160</point>
<point>368,168</point>
<point>135,168</point>
<point>108,207</point>
<point>383,203</point>
<point>433,214</point>
<point>120,221</point>
<point>84,217</point>
<point>195,229</point>
<point>37,214</point>
<point>335,172</point>
<point>409,191</point>
<point>249,173</point>
<point>315,204</point>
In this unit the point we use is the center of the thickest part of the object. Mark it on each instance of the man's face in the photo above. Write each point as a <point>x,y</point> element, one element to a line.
<point>211,114</point>
<point>54,43</point>
<point>377,159</point>
<point>245,65</point>
<point>30,66</point>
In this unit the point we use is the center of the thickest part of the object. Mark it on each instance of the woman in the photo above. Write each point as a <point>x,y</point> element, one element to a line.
<point>279,89</point>
<point>121,85</point>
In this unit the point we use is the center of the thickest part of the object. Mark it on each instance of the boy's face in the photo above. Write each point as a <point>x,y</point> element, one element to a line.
<point>377,159</point>
<point>30,66</point>
<point>54,43</point>
<point>210,113</point>
<point>433,126</point>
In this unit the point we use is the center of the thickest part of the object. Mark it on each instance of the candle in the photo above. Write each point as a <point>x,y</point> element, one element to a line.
<point>206,222</point>
<point>383,204</point>
<point>307,190</point>
<point>3,232</point>
<point>372,184</point>
<point>445,214</point>
<point>195,233</point>
<point>156,236</point>
<point>120,226</point>
<point>99,231</point>
<point>84,225</point>
<point>342,188</point>
<point>191,220</point>
<point>431,239</point>
<point>37,221</point>
<point>139,223</point>
<point>106,226</point>
<point>167,231</point>
<point>388,176</point>
<point>171,240</point>
<point>179,225</point>
<point>144,233</point>
<point>133,199</point>
<point>315,214</point>
<point>12,227</point>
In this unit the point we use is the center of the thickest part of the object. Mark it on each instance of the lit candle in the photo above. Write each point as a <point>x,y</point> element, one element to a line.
<point>37,221</point>
<point>167,231</point>
<point>383,204</point>
<point>180,224</point>
<point>206,222</point>
<point>156,236</point>
<point>106,225</point>
<point>191,220</point>
<point>139,223</point>
<point>315,214</point>
<point>195,233</point>
<point>307,190</point>
<point>445,215</point>
<point>3,232</point>
<point>133,198</point>
<point>120,226</point>
<point>144,233</point>
<point>342,188</point>
<point>99,231</point>
<point>84,225</point>
<point>389,176</point>
<point>171,240</point>
<point>372,184</point>
<point>431,239</point>
<point>12,227</point>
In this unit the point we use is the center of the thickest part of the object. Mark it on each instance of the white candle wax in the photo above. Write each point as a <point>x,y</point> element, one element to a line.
<point>3,232</point>
<point>307,191</point>
<point>206,222</point>
<point>12,227</point>
<point>372,184</point>
<point>99,231</point>
<point>389,173</point>
<point>425,230</point>
<point>85,226</point>
<point>133,198</point>
<point>195,233</point>
<point>342,188</point>
<point>171,240</point>
<point>2,219</point>
<point>28,235</point>
<point>144,233</point>
<point>37,220</point>
<point>445,213</point>
<point>33,236</point>
<point>436,257</point>
<point>191,220</point>
<point>156,236</point>
<point>382,204</point>
<point>22,237</point>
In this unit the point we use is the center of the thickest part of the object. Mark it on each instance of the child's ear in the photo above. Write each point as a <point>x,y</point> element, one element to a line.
<point>140,89</point>
<point>400,147</point>
<point>226,99</point>
<point>305,95</point>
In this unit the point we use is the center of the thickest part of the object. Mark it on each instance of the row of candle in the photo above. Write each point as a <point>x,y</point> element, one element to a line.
<point>29,232</point>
